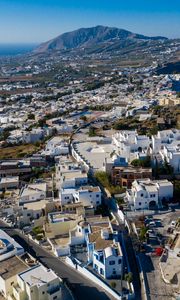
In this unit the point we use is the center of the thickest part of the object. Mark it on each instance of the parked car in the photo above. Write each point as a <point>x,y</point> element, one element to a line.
<point>150,231</point>
<point>170,230</point>
<point>173,224</point>
<point>152,224</point>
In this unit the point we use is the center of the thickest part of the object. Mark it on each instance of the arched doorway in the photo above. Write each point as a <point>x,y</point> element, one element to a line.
<point>152,204</point>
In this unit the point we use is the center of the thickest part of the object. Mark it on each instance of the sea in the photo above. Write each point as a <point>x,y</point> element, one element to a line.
<point>15,49</point>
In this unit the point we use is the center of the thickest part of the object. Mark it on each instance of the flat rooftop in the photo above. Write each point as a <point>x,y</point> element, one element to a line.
<point>90,188</point>
<point>73,205</point>
<point>61,217</point>
<point>101,243</point>
<point>97,220</point>
<point>12,266</point>
<point>36,205</point>
<point>37,276</point>
<point>33,188</point>
<point>130,169</point>
<point>9,163</point>
<point>61,241</point>
<point>9,179</point>
<point>72,174</point>
<point>94,153</point>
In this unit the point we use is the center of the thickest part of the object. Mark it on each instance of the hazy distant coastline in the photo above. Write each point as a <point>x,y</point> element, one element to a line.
<point>15,49</point>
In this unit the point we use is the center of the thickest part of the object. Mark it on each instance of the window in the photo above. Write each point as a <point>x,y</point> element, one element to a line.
<point>139,203</point>
<point>96,256</point>
<point>142,195</point>
<point>97,196</point>
<point>55,297</point>
<point>112,262</point>
<point>101,271</point>
<point>43,292</point>
<point>12,282</point>
<point>97,202</point>
<point>119,261</point>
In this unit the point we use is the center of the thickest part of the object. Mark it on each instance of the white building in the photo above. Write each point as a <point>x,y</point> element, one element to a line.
<point>171,154</point>
<point>73,179</point>
<point>146,193</point>
<point>32,136</point>
<point>62,149</point>
<point>58,232</point>
<point>128,144</point>
<point>66,196</point>
<point>37,283</point>
<point>165,138</point>
<point>104,252</point>
<point>9,182</point>
<point>8,274</point>
<point>33,192</point>
<point>56,147</point>
<point>114,161</point>
<point>108,262</point>
<point>69,174</point>
<point>8,246</point>
<point>87,195</point>
<point>35,135</point>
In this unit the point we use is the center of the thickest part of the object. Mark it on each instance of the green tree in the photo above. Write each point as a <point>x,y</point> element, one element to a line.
<point>142,234</point>
<point>83,118</point>
<point>145,163</point>
<point>102,177</point>
<point>128,277</point>
<point>92,131</point>
<point>31,116</point>
<point>113,284</point>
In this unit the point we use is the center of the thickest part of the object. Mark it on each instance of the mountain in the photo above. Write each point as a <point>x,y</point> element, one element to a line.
<point>99,38</point>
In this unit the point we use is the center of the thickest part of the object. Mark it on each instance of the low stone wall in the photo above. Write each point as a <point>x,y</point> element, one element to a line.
<point>143,281</point>
<point>75,265</point>
<point>77,156</point>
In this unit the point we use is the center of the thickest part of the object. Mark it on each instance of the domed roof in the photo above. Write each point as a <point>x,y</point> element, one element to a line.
<point>83,223</point>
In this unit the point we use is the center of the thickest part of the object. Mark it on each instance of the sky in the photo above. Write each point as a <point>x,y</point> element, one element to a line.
<point>36,21</point>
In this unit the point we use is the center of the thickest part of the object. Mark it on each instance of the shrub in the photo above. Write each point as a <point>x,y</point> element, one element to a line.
<point>113,284</point>
<point>128,277</point>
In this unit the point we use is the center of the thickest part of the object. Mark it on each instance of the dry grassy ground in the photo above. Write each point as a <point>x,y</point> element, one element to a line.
<point>17,151</point>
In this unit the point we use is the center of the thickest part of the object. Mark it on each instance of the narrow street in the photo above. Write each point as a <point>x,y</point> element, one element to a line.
<point>133,266</point>
<point>82,288</point>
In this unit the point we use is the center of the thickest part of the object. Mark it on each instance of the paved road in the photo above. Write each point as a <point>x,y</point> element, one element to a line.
<point>157,288</point>
<point>82,288</point>
<point>133,266</point>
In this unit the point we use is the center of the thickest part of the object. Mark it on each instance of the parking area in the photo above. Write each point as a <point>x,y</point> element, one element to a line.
<point>167,219</point>
<point>157,289</point>
<point>159,228</point>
